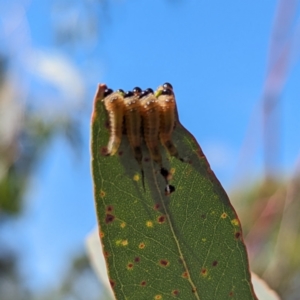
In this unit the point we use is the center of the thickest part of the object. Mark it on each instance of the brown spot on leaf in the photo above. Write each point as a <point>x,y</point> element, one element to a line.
<point>137,259</point>
<point>203,216</point>
<point>130,266</point>
<point>158,297</point>
<point>164,262</point>
<point>120,153</point>
<point>194,290</point>
<point>203,272</point>
<point>156,206</point>
<point>231,294</point>
<point>112,283</point>
<point>104,151</point>
<point>102,194</point>
<point>185,275</point>
<point>215,263</point>
<point>175,292</point>
<point>143,283</point>
<point>106,124</point>
<point>237,235</point>
<point>109,208</point>
<point>161,219</point>
<point>106,254</point>
<point>109,218</point>
<point>101,234</point>
<point>142,245</point>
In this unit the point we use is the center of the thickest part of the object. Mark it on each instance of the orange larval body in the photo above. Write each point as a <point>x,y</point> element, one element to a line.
<point>167,106</point>
<point>133,122</point>
<point>114,104</point>
<point>151,123</point>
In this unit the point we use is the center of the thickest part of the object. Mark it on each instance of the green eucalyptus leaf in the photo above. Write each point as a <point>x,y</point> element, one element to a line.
<point>187,245</point>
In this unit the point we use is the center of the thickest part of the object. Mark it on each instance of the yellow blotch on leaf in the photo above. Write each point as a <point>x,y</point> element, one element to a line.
<point>122,243</point>
<point>158,297</point>
<point>224,215</point>
<point>149,224</point>
<point>136,177</point>
<point>142,245</point>
<point>123,224</point>
<point>235,222</point>
<point>172,171</point>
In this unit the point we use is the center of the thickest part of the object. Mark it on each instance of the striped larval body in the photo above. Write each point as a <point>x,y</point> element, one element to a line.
<point>150,118</point>
<point>114,104</point>
<point>133,123</point>
<point>167,107</point>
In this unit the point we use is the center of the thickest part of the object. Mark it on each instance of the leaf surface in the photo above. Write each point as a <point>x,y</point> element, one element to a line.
<point>187,245</point>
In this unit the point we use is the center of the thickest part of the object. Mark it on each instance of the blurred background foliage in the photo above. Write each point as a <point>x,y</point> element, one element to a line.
<point>27,129</point>
<point>268,209</point>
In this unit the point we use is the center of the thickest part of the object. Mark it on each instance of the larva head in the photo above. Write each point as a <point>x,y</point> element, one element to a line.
<point>107,92</point>
<point>166,92</point>
<point>121,92</point>
<point>137,91</point>
<point>165,99</point>
<point>147,100</point>
<point>113,100</point>
<point>161,91</point>
<point>131,99</point>
<point>128,94</point>
<point>165,86</point>
<point>146,93</point>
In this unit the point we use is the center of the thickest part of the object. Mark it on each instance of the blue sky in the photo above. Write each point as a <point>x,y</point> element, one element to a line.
<point>215,54</point>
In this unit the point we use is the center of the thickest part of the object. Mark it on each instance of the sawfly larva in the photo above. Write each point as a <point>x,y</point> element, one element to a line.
<point>114,104</point>
<point>150,119</point>
<point>133,121</point>
<point>167,107</point>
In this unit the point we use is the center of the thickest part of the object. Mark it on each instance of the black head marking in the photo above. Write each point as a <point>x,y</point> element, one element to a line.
<point>128,94</point>
<point>167,85</point>
<point>145,92</point>
<point>108,92</point>
<point>137,90</point>
<point>166,92</point>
